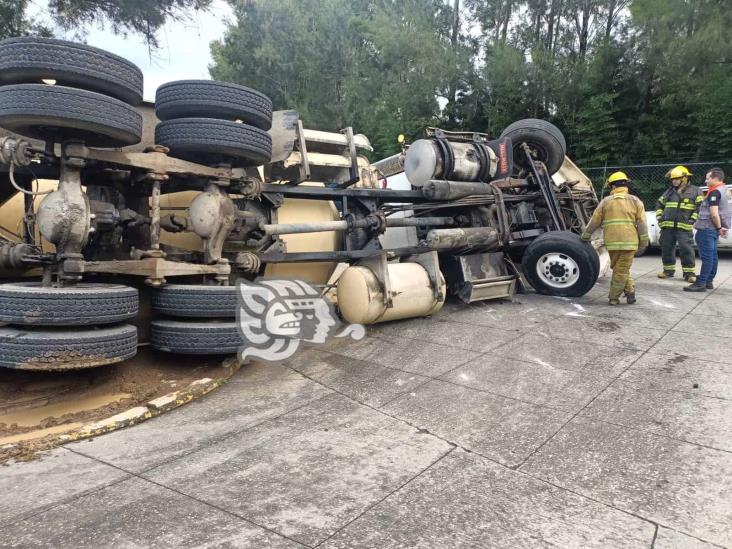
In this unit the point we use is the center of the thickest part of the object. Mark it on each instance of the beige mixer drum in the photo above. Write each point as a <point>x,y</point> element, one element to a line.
<point>296,210</point>
<point>361,299</point>
<point>177,204</point>
<point>12,213</point>
<point>293,210</point>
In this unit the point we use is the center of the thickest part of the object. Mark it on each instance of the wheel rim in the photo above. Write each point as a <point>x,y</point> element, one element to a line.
<point>557,270</point>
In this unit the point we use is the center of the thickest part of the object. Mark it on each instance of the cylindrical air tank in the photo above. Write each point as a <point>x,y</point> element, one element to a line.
<point>361,298</point>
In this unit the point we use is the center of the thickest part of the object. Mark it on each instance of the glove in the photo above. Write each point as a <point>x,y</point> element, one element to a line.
<point>642,248</point>
<point>585,237</point>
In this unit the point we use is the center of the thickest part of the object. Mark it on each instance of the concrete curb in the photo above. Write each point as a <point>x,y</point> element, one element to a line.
<point>149,410</point>
<point>29,449</point>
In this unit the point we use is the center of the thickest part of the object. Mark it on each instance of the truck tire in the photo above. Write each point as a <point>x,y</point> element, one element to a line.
<point>57,113</point>
<point>209,140</point>
<point>560,265</point>
<point>30,60</point>
<point>591,252</point>
<point>196,301</point>
<point>543,137</point>
<point>86,304</point>
<point>210,99</point>
<point>53,349</point>
<point>196,338</point>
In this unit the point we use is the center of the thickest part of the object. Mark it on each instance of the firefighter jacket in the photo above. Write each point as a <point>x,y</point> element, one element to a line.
<point>623,219</point>
<point>679,208</point>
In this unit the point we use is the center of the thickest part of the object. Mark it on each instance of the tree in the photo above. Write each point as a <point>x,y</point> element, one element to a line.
<point>14,22</point>
<point>138,16</point>
<point>378,65</point>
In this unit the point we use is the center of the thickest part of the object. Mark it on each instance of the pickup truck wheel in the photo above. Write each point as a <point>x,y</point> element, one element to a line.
<point>31,60</point>
<point>52,349</point>
<point>196,301</point>
<point>57,113</point>
<point>196,338</point>
<point>210,99</point>
<point>208,140</point>
<point>30,304</point>
<point>559,266</point>
<point>543,137</point>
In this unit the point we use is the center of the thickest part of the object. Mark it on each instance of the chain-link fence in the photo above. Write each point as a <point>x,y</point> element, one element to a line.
<point>649,180</point>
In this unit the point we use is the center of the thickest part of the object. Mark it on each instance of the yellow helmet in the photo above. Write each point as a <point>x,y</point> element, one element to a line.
<point>678,172</point>
<point>617,177</point>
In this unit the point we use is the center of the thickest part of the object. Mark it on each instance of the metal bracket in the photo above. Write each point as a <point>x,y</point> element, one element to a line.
<point>380,267</point>
<point>304,164</point>
<point>431,263</point>
<point>355,176</point>
<point>547,188</point>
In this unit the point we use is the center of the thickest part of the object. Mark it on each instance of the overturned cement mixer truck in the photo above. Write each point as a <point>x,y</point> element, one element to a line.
<point>123,221</point>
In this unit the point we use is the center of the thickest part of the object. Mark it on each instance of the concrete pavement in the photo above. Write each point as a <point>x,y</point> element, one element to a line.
<point>540,423</point>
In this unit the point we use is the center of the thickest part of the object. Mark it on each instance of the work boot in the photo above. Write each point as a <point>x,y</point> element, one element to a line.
<point>613,301</point>
<point>630,297</point>
<point>696,287</point>
<point>710,286</point>
<point>690,278</point>
<point>666,274</point>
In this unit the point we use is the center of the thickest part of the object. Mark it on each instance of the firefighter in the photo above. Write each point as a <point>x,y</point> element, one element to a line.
<point>676,210</point>
<point>623,219</point>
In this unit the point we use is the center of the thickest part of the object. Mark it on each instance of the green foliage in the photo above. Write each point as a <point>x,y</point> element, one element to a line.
<point>626,80</point>
<point>13,21</point>
<point>141,17</point>
<point>380,66</point>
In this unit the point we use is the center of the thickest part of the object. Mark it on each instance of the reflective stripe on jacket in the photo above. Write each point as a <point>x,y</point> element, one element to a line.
<point>623,219</point>
<point>679,209</point>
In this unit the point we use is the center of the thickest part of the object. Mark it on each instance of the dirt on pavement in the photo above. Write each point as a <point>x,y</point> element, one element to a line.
<point>37,407</point>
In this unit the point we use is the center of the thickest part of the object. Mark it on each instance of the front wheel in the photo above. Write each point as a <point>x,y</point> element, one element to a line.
<point>560,264</point>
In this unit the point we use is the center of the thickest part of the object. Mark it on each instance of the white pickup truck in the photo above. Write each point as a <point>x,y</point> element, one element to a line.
<point>654,231</point>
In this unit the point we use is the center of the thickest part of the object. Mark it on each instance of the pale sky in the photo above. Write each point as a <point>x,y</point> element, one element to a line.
<point>184,46</point>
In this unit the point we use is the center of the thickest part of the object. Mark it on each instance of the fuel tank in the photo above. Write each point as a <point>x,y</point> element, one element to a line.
<point>428,159</point>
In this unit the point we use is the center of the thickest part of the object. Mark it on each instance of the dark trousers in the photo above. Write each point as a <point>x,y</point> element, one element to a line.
<point>706,241</point>
<point>668,240</point>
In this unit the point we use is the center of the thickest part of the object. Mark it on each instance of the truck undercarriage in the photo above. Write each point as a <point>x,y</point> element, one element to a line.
<point>221,188</point>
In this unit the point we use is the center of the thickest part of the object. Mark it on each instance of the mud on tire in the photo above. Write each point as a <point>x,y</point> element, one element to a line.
<point>30,304</point>
<point>210,99</point>
<point>196,338</point>
<point>31,60</point>
<point>53,349</point>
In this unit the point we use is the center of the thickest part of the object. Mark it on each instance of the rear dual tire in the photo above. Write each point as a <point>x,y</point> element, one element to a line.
<point>203,320</point>
<point>211,99</point>
<point>51,328</point>
<point>30,304</point>
<point>58,113</point>
<point>212,141</point>
<point>216,337</point>
<point>49,349</point>
<point>31,60</point>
